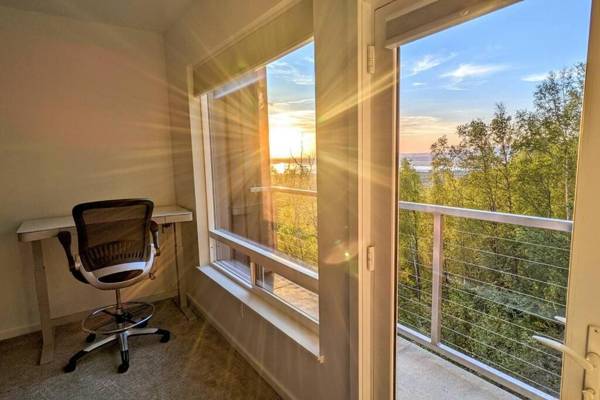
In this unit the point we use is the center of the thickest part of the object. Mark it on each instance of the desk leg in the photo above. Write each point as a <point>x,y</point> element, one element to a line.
<point>41,288</point>
<point>179,264</point>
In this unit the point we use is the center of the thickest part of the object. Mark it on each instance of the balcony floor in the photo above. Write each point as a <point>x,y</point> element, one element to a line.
<point>421,375</point>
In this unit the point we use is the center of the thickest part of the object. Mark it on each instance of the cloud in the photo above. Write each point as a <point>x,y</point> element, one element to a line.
<point>465,71</point>
<point>427,62</point>
<point>419,84</point>
<point>535,77</point>
<point>291,73</point>
<point>418,132</point>
<point>301,101</point>
<point>426,125</point>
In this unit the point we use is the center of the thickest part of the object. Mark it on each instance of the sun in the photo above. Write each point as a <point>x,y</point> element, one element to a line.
<point>289,135</point>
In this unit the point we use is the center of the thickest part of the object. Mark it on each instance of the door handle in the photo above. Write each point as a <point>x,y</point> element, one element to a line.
<point>562,320</point>
<point>590,363</point>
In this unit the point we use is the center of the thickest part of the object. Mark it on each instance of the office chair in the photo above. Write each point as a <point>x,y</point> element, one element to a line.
<point>114,252</point>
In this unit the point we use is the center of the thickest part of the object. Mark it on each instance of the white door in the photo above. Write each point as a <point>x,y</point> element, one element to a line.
<point>553,252</point>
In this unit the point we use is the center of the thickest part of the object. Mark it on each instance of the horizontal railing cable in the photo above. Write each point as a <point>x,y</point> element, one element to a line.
<point>509,256</point>
<point>552,320</point>
<point>427,295</point>
<point>506,273</point>
<point>500,335</point>
<point>513,240</point>
<point>502,351</point>
<point>487,315</point>
<point>505,289</point>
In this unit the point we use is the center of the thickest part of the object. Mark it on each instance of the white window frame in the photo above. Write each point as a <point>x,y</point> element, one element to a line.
<point>258,254</point>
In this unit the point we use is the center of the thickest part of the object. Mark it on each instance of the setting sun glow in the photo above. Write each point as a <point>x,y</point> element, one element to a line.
<point>291,99</point>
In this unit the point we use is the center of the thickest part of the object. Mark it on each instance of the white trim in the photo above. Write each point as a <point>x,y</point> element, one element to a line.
<point>208,173</point>
<point>281,319</point>
<point>280,303</point>
<point>295,272</point>
<point>364,323</point>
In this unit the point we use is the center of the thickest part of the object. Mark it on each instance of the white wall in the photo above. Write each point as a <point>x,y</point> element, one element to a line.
<point>83,116</point>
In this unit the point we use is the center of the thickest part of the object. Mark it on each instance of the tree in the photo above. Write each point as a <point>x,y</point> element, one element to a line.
<point>502,282</point>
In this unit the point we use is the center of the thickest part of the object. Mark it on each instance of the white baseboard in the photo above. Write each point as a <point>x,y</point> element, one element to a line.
<point>19,331</point>
<point>266,375</point>
<point>66,319</point>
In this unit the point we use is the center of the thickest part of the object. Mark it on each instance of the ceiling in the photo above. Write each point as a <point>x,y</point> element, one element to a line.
<point>151,15</point>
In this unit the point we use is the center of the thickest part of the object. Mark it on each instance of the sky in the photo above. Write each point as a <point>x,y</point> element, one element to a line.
<point>447,78</point>
<point>459,74</point>
<point>291,97</point>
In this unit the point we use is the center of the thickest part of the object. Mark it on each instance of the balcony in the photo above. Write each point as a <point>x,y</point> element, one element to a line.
<point>474,286</point>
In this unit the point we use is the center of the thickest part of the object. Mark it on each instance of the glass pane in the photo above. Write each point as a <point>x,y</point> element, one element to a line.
<point>286,290</point>
<point>233,261</point>
<point>263,153</point>
<point>489,118</point>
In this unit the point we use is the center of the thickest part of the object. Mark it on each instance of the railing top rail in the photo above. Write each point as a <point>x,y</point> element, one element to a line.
<point>529,221</point>
<point>284,189</point>
<point>491,216</point>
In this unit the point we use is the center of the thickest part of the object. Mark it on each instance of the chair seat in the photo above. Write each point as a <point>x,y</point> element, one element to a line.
<point>120,276</point>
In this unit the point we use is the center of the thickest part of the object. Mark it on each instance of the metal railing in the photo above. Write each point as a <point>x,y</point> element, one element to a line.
<point>284,189</point>
<point>294,217</point>
<point>443,322</point>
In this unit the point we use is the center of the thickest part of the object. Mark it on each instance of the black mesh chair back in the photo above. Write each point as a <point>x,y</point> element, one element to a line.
<point>114,253</point>
<point>113,232</point>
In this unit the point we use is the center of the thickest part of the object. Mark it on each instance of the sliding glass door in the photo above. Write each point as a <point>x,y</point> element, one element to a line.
<point>476,123</point>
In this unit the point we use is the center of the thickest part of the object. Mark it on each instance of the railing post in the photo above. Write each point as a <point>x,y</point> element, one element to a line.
<point>436,278</point>
<point>253,273</point>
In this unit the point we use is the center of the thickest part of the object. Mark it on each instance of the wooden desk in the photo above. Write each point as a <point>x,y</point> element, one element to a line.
<point>36,230</point>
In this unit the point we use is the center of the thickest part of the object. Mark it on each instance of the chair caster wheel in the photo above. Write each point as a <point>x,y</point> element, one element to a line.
<point>72,364</point>
<point>165,335</point>
<point>90,338</point>
<point>123,368</point>
<point>70,367</point>
<point>124,361</point>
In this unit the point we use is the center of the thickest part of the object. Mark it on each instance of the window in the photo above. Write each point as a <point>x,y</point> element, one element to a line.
<point>262,170</point>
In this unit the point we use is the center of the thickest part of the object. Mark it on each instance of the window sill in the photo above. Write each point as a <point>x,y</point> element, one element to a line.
<point>294,329</point>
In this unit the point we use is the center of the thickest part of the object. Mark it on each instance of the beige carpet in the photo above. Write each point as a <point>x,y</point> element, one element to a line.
<point>198,363</point>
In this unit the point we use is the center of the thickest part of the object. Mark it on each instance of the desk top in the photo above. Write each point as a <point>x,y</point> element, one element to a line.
<point>44,228</point>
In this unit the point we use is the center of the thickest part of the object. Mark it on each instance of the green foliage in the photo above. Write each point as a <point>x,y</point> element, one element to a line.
<point>502,283</point>
<point>295,216</point>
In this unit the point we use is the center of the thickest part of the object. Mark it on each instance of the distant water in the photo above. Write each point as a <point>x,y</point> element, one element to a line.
<point>418,159</point>
<point>421,162</point>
